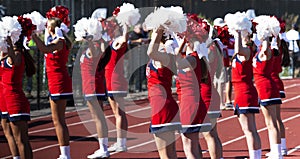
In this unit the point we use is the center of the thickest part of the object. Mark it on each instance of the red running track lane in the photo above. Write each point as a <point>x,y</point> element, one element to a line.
<point>141,143</point>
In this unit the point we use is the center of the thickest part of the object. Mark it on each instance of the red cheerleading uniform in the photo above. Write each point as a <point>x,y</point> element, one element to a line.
<point>17,104</point>
<point>116,83</point>
<point>59,81</point>
<point>164,109</point>
<point>266,87</point>
<point>192,113</point>
<point>3,110</point>
<point>246,97</point>
<point>275,73</point>
<point>93,79</point>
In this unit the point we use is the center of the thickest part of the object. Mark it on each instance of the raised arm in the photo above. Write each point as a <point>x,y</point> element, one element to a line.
<point>119,42</point>
<point>184,62</point>
<point>239,48</point>
<point>56,45</point>
<point>15,57</point>
<point>153,52</point>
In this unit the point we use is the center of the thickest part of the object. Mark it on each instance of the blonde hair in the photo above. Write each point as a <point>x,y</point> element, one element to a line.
<point>56,22</point>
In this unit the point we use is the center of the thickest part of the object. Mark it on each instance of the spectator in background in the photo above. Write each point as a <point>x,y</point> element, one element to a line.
<point>294,37</point>
<point>137,38</point>
<point>28,87</point>
<point>228,51</point>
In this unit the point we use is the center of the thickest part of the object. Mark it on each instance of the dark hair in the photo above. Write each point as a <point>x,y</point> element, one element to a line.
<point>30,68</point>
<point>104,59</point>
<point>204,70</point>
<point>285,54</point>
<point>56,22</point>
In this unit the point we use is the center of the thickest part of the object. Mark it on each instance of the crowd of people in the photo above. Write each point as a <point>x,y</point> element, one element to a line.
<point>243,50</point>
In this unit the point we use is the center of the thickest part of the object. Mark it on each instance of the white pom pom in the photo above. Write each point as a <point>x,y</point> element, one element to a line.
<point>169,47</point>
<point>38,20</point>
<point>12,27</point>
<point>80,29</point>
<point>238,21</point>
<point>99,13</point>
<point>128,15</point>
<point>172,19</point>
<point>266,27</point>
<point>9,27</point>
<point>250,13</point>
<point>95,29</point>
<point>87,27</point>
<point>3,35</point>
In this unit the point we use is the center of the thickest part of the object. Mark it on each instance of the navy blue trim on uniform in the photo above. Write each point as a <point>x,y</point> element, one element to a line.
<point>151,66</point>
<point>117,94</point>
<point>156,130</point>
<point>99,97</point>
<point>238,111</point>
<point>237,59</point>
<point>19,118</point>
<point>271,102</point>
<point>282,95</point>
<point>61,97</point>
<point>257,59</point>
<point>201,128</point>
<point>3,116</point>
<point>6,65</point>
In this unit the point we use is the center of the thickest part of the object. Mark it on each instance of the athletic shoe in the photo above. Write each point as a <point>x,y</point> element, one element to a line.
<point>116,147</point>
<point>283,153</point>
<point>274,156</point>
<point>98,154</point>
<point>62,157</point>
<point>228,106</point>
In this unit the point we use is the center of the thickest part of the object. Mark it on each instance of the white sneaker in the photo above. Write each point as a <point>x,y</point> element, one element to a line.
<point>62,157</point>
<point>275,156</point>
<point>116,147</point>
<point>98,154</point>
<point>284,152</point>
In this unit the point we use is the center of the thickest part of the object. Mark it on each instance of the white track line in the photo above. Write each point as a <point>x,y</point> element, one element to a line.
<point>297,148</point>
<point>260,130</point>
<point>86,121</point>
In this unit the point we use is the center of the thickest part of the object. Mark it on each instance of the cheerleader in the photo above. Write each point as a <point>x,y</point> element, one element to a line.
<point>117,85</point>
<point>4,115</point>
<point>277,68</point>
<point>117,89</point>
<point>192,113</point>
<point>246,98</point>
<point>210,64</point>
<point>56,50</point>
<point>17,105</point>
<point>267,91</point>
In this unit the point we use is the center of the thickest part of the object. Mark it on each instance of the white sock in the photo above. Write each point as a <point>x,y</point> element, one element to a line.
<point>16,157</point>
<point>255,154</point>
<point>276,149</point>
<point>121,141</point>
<point>103,142</point>
<point>283,144</point>
<point>65,151</point>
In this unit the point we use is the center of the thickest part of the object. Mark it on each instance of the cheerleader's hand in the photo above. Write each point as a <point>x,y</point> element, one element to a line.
<point>59,33</point>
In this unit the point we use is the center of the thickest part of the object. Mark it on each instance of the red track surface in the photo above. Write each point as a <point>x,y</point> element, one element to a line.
<point>140,142</point>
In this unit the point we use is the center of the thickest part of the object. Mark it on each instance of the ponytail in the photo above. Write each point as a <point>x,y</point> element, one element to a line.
<point>29,63</point>
<point>285,54</point>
